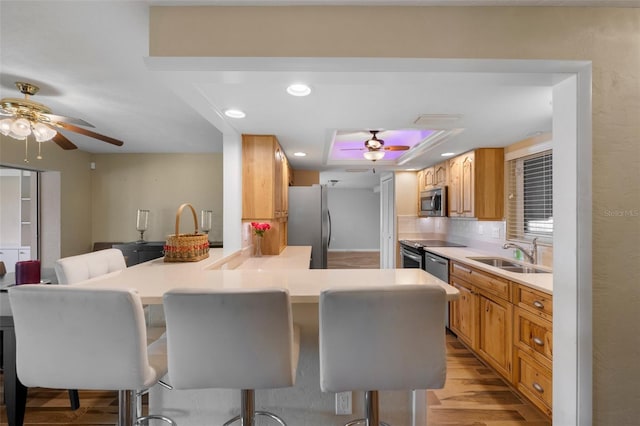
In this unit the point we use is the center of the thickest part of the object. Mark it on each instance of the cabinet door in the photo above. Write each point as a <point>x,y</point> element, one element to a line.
<point>258,177</point>
<point>454,187</point>
<point>278,202</point>
<point>440,174</point>
<point>24,254</point>
<point>466,186</point>
<point>420,177</point>
<point>9,257</point>
<point>429,178</point>
<point>495,324</point>
<point>463,313</point>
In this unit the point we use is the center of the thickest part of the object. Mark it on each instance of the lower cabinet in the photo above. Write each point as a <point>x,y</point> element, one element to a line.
<point>463,314</point>
<point>508,326</point>
<point>10,256</point>
<point>495,325</point>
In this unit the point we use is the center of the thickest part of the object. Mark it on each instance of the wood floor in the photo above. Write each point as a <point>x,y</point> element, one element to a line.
<point>473,395</point>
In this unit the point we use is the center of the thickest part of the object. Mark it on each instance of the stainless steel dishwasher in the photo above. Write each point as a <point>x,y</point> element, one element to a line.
<point>438,266</point>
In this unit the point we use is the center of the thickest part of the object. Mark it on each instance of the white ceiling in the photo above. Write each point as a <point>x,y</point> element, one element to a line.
<point>90,60</point>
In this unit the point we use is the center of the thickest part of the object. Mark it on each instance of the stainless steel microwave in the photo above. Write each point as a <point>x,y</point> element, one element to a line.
<point>433,202</point>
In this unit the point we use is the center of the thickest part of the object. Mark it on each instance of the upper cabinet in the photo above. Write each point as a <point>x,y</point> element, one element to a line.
<point>266,176</point>
<point>426,179</point>
<point>476,184</point>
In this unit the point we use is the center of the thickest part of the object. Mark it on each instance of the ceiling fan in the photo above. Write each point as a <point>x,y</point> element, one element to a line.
<point>375,147</point>
<point>26,117</point>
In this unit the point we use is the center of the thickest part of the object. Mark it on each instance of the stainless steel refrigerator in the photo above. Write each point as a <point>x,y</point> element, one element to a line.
<point>310,222</point>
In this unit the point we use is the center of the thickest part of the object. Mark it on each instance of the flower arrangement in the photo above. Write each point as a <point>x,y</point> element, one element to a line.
<point>259,228</point>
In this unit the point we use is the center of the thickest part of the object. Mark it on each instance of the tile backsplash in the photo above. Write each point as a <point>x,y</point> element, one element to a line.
<point>482,235</point>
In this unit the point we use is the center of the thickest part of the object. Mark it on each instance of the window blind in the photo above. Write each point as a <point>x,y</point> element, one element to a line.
<point>530,197</point>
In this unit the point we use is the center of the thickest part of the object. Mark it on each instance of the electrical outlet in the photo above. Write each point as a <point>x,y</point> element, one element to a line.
<point>495,232</point>
<point>343,403</point>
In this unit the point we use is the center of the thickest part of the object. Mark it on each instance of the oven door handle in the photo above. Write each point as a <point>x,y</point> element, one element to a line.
<point>412,256</point>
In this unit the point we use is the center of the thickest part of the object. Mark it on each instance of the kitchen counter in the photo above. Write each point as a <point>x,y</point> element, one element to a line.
<point>539,281</point>
<point>152,279</point>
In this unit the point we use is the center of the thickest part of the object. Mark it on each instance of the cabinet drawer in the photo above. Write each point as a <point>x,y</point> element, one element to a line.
<point>534,301</point>
<point>494,284</point>
<point>535,382</point>
<point>533,335</point>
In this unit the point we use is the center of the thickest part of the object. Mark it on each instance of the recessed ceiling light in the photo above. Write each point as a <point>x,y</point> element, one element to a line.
<point>300,154</point>
<point>448,154</point>
<point>299,89</point>
<point>235,113</point>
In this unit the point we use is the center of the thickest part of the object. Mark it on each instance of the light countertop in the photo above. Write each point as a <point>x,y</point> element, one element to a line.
<point>540,281</point>
<point>152,279</point>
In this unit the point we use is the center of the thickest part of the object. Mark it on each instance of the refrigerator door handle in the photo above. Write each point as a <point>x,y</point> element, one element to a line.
<point>329,241</point>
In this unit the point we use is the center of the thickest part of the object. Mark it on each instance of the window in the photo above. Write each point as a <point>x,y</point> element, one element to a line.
<point>530,198</point>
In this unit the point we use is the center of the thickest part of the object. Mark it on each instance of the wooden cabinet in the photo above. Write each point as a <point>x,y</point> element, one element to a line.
<point>495,325</point>
<point>489,320</point>
<point>426,179</point>
<point>440,174</point>
<point>508,326</point>
<point>463,312</point>
<point>476,184</point>
<point>266,175</point>
<point>533,339</point>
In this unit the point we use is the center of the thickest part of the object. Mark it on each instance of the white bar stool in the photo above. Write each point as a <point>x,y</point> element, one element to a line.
<point>382,338</point>
<point>232,340</point>
<point>73,269</point>
<point>70,337</point>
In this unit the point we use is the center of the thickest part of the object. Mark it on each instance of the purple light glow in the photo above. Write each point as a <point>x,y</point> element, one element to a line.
<point>350,145</point>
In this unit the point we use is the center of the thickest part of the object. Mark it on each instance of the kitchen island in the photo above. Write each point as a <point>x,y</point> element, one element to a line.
<point>304,404</point>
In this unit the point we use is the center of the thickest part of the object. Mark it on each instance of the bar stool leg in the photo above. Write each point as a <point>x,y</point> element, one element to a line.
<point>125,408</point>
<point>248,407</point>
<point>371,408</point>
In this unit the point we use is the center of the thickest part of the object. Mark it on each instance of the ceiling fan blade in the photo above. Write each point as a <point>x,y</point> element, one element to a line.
<point>61,118</point>
<point>63,142</point>
<point>396,148</point>
<point>89,133</point>
<point>352,149</point>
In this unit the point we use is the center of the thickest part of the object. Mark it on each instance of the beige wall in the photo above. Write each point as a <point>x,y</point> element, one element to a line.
<point>75,183</point>
<point>123,183</point>
<point>101,204</point>
<point>609,37</point>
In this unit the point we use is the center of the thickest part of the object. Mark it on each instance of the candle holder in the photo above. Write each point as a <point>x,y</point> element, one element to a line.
<point>142,223</point>
<point>206,217</point>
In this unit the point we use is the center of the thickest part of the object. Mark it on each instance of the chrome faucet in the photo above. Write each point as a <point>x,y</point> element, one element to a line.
<point>531,255</point>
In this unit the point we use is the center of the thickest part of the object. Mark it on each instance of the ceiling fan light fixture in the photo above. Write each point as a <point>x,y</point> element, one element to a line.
<point>299,89</point>
<point>374,155</point>
<point>21,128</point>
<point>5,126</point>
<point>43,133</point>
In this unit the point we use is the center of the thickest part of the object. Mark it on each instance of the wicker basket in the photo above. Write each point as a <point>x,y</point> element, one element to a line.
<point>186,247</point>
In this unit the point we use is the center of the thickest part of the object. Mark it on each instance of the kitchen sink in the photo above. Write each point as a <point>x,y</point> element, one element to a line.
<point>510,266</point>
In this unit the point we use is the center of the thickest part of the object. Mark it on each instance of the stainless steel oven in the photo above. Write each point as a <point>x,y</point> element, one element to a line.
<point>411,257</point>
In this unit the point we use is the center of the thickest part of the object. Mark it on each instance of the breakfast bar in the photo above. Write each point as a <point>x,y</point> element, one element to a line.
<point>303,404</point>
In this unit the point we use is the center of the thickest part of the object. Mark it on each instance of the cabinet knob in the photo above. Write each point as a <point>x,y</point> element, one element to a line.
<point>538,304</point>
<point>538,341</point>
<point>537,387</point>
